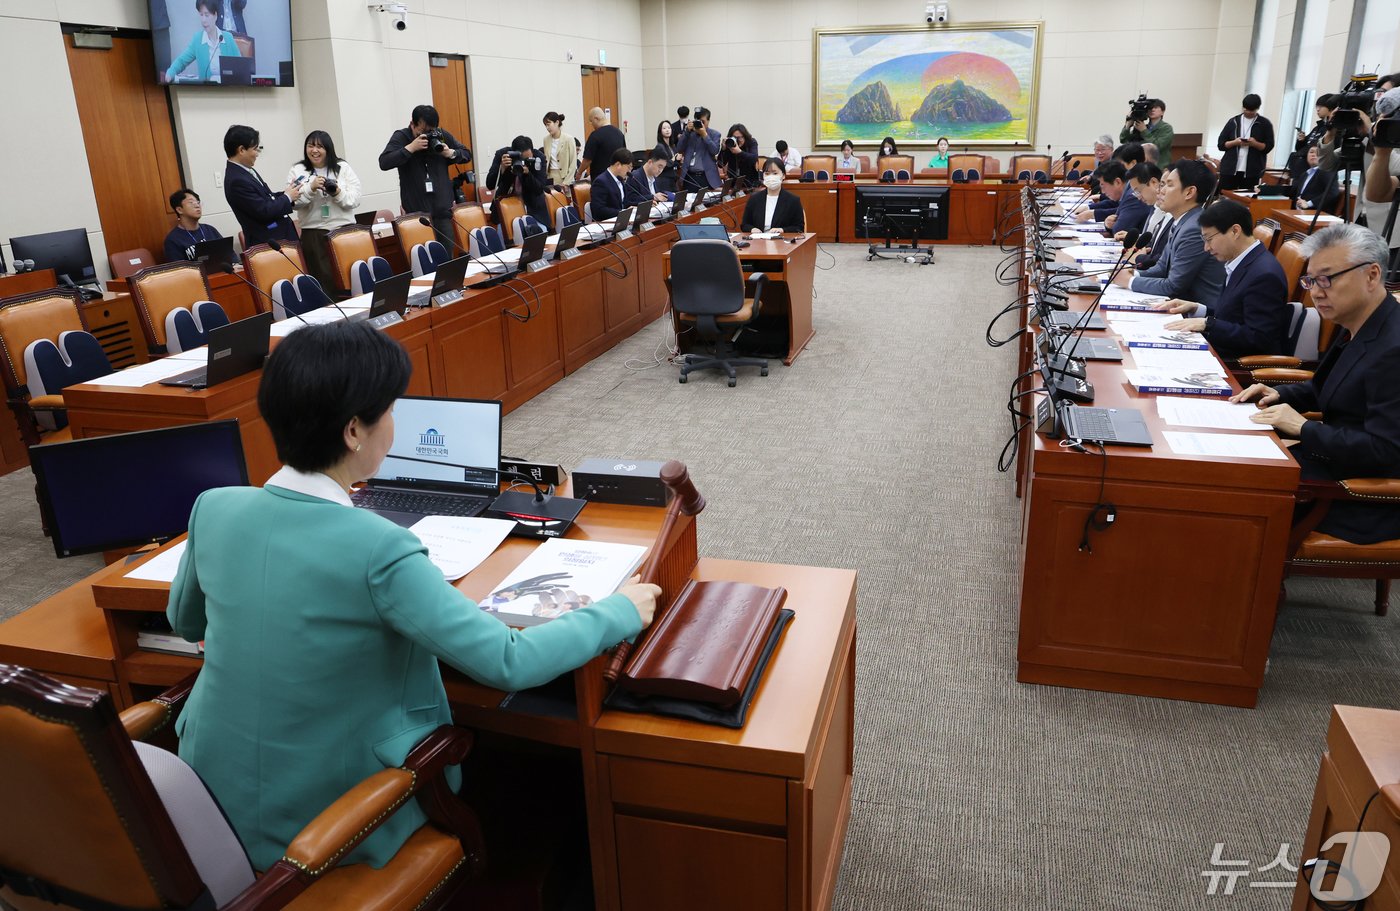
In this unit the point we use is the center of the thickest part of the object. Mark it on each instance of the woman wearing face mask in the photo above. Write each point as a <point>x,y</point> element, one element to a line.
<point>775,210</point>
<point>559,150</point>
<point>330,191</point>
<point>738,154</point>
<point>887,146</point>
<point>940,158</point>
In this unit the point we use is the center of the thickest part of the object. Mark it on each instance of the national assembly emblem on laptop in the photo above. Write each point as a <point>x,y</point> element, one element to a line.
<point>430,442</point>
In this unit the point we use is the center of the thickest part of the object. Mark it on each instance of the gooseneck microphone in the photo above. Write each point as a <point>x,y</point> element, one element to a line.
<point>451,243</point>
<point>277,245</point>
<point>270,298</point>
<point>1143,239</point>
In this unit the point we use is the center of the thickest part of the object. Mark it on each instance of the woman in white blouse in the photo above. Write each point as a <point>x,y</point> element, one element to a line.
<point>330,191</point>
<point>560,152</point>
<point>848,160</point>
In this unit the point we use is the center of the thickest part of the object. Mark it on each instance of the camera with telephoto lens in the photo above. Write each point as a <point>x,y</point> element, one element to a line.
<point>517,161</point>
<point>435,141</point>
<point>1358,95</point>
<point>1140,109</point>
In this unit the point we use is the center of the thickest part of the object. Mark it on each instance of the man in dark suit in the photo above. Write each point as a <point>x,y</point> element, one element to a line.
<point>699,147</point>
<point>1317,187</point>
<point>1184,270</point>
<point>1252,313</point>
<point>262,213</point>
<point>1246,141</point>
<point>1354,386</point>
<point>421,153</point>
<point>1133,211</point>
<point>1113,179</point>
<point>641,184</point>
<point>608,193</point>
<point>681,122</point>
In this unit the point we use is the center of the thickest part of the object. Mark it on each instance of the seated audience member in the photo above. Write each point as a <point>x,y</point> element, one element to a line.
<point>609,189</point>
<point>207,45</point>
<point>699,148</point>
<point>1112,177</point>
<point>525,178</point>
<point>738,155</point>
<point>790,157</point>
<point>262,214</point>
<point>1252,313</point>
<point>1354,386</point>
<point>1103,152</point>
<point>847,160</point>
<point>1246,139</point>
<point>940,157</point>
<point>1184,270</point>
<point>354,583</point>
<point>1151,154</point>
<point>179,243</point>
<point>644,183</point>
<point>1317,186</point>
<point>1133,211</point>
<point>888,146</point>
<point>774,210</point>
<point>602,142</point>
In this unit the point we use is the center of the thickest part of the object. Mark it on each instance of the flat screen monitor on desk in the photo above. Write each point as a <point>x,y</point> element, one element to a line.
<point>896,211</point>
<point>131,489</point>
<point>65,252</point>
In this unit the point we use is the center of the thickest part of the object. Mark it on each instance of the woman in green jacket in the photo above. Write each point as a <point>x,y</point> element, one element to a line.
<point>323,624</point>
<point>206,45</point>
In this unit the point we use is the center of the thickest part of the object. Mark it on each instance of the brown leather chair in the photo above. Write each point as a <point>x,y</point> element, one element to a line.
<point>24,319</point>
<point>87,825</point>
<point>895,163</point>
<point>1312,553</point>
<point>509,208</point>
<point>160,289</point>
<point>411,231</point>
<point>818,163</point>
<point>484,194</point>
<point>965,161</point>
<point>265,267</point>
<point>1291,258</point>
<point>583,194</point>
<point>1030,163</point>
<point>128,262</point>
<point>1268,232</point>
<point>348,245</point>
<point>466,218</point>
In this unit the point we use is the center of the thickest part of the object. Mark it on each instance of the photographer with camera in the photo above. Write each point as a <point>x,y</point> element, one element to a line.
<point>738,156</point>
<point>330,191</point>
<point>421,152</point>
<point>519,170</point>
<point>1145,124</point>
<point>699,149</point>
<point>1383,172</point>
<point>1246,141</point>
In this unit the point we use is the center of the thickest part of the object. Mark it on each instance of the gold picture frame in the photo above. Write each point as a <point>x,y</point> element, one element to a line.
<point>976,83</point>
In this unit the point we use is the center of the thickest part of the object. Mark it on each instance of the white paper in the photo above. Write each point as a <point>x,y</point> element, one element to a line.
<point>1228,445</point>
<point>1139,320</point>
<point>318,317</point>
<point>1194,412</point>
<point>1095,254</point>
<point>1117,294</point>
<point>561,575</point>
<point>1159,360</point>
<point>1146,336</point>
<point>145,374</point>
<point>161,567</point>
<point>458,544</point>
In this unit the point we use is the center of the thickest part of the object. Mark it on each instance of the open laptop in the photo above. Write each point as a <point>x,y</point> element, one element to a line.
<point>1124,426</point>
<point>679,203</point>
<point>447,284</point>
<point>216,254</point>
<point>702,232</point>
<point>623,220</point>
<point>443,461</point>
<point>568,239</point>
<point>1091,349</point>
<point>236,70</point>
<point>234,350</point>
<point>1063,319</point>
<point>390,295</point>
<point>532,251</point>
<point>643,214</point>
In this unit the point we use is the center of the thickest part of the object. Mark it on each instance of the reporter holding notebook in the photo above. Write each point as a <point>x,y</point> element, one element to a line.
<point>323,624</point>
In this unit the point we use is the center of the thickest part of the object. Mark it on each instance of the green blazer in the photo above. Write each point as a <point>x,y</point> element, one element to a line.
<point>198,53</point>
<point>323,626</point>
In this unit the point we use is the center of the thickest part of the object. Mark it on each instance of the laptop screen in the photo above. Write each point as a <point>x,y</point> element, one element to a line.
<point>455,432</point>
<point>702,232</point>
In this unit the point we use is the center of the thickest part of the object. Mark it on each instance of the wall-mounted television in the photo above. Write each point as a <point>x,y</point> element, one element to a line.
<point>222,42</point>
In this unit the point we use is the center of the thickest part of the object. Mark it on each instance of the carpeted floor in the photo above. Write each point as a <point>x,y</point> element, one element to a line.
<point>877,451</point>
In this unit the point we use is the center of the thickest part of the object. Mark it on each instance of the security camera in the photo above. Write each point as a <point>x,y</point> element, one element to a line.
<point>398,10</point>
<point>936,12</point>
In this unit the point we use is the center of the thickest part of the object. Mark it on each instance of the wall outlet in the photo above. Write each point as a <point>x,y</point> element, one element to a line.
<point>218,179</point>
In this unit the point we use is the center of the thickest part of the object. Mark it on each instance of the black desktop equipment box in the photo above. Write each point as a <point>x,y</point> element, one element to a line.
<point>630,482</point>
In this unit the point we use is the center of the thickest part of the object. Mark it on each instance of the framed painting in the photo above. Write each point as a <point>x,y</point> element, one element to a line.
<point>975,84</point>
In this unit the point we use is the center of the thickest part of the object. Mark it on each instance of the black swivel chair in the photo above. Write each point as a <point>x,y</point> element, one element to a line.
<point>710,292</point>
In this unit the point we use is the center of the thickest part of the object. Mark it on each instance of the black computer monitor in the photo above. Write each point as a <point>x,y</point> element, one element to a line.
<point>65,252</point>
<point>130,489</point>
<point>897,211</point>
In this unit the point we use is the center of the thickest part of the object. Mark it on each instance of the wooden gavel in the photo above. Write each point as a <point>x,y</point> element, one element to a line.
<point>685,500</point>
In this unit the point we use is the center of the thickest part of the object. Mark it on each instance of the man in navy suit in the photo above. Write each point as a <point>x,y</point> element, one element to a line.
<point>698,148</point>
<point>1133,212</point>
<point>1112,182</point>
<point>641,183</point>
<point>1317,186</point>
<point>262,213</point>
<point>1184,270</point>
<point>609,187</point>
<point>1252,313</point>
<point>1354,386</point>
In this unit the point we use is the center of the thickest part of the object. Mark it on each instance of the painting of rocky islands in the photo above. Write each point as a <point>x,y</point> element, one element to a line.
<point>970,83</point>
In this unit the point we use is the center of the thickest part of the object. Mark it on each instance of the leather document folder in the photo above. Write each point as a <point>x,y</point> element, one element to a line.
<point>707,646</point>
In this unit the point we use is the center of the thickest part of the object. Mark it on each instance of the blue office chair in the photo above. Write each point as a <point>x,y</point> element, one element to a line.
<point>901,174</point>
<point>565,216</point>
<point>958,176</point>
<point>525,226</point>
<point>298,295</point>
<point>427,257</point>
<point>485,240</point>
<point>1072,176</point>
<point>823,175</point>
<point>366,273</point>
<point>187,328</point>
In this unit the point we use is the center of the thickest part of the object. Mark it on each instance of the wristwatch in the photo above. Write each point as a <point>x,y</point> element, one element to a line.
<point>1210,323</point>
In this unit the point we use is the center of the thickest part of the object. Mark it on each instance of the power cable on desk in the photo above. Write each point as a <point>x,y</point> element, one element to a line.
<point>1018,303</point>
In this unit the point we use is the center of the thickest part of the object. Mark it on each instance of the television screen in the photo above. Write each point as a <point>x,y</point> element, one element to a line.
<point>129,489</point>
<point>222,42</point>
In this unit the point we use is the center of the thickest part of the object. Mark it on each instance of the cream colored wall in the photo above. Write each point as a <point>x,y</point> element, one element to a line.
<point>757,67</point>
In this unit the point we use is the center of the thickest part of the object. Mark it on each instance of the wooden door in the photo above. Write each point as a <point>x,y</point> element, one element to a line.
<point>448,75</point>
<point>600,91</point>
<point>125,117</point>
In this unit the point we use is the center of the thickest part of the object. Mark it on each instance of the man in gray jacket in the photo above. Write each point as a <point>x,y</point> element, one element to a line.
<point>1185,270</point>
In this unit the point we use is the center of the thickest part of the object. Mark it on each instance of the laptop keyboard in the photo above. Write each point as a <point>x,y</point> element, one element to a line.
<point>429,504</point>
<point>1093,424</point>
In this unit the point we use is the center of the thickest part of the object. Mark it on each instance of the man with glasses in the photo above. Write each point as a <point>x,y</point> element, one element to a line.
<point>1251,316</point>
<point>1355,386</point>
<point>262,214</point>
<point>1184,270</point>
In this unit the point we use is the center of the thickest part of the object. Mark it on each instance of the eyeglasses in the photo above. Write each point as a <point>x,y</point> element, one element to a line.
<point>1325,281</point>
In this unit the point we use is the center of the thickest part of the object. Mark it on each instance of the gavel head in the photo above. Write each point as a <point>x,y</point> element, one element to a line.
<point>675,476</point>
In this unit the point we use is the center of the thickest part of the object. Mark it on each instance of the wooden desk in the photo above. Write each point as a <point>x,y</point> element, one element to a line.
<point>229,291</point>
<point>820,203</point>
<point>1301,220</point>
<point>13,283</point>
<point>973,209</point>
<point>1363,756</point>
<point>791,268</point>
<point>1259,207</point>
<point>1177,598</point>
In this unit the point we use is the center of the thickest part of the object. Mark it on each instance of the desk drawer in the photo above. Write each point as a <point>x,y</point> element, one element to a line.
<point>664,866</point>
<point>711,793</point>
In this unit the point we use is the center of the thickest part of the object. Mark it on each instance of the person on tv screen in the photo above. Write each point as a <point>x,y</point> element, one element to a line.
<point>206,46</point>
